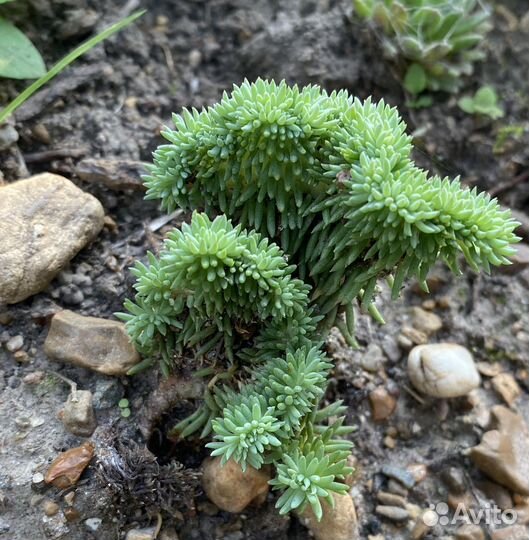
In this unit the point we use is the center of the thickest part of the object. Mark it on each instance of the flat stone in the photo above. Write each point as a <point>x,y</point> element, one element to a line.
<point>45,221</point>
<point>503,453</point>
<point>338,523</point>
<point>393,513</point>
<point>230,488</point>
<point>391,499</point>
<point>141,534</point>
<point>98,344</point>
<point>401,475</point>
<point>117,174</point>
<point>507,387</point>
<point>442,370</point>
<point>78,414</point>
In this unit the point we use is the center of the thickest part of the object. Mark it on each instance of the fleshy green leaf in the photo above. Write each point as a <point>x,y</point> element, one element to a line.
<point>415,80</point>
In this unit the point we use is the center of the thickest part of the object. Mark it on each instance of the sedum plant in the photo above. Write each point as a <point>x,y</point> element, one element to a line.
<point>302,201</point>
<point>438,39</point>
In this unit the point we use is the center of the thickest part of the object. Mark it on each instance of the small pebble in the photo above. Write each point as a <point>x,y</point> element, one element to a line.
<point>383,404</point>
<point>92,524</point>
<point>391,499</point>
<point>454,479</point>
<point>426,321</point>
<point>397,487</point>
<point>394,513</point>
<point>15,343</point>
<point>35,377</point>
<point>401,475</point>
<point>50,507</point>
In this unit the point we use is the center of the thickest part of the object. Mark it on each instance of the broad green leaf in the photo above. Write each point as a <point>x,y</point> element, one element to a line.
<point>466,104</point>
<point>19,59</point>
<point>486,96</point>
<point>415,79</point>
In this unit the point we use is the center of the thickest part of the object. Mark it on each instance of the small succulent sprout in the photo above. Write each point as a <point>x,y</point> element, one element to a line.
<point>484,101</point>
<point>439,39</point>
<point>245,432</point>
<point>309,473</point>
<point>293,384</point>
<point>124,408</point>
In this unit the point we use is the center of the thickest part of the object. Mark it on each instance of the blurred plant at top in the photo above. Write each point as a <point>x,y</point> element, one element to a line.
<point>19,59</point>
<point>484,101</point>
<point>439,39</point>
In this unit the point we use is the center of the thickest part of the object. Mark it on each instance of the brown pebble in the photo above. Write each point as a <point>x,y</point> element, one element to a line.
<point>50,507</point>
<point>71,514</point>
<point>507,387</point>
<point>67,467</point>
<point>391,499</point>
<point>69,498</point>
<point>22,357</point>
<point>36,377</point>
<point>383,404</point>
<point>419,530</point>
<point>419,471</point>
<point>390,442</point>
<point>40,133</point>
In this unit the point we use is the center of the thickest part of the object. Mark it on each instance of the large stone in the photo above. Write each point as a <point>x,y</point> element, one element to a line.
<point>338,523</point>
<point>90,342</point>
<point>45,221</point>
<point>230,488</point>
<point>443,370</point>
<point>503,453</point>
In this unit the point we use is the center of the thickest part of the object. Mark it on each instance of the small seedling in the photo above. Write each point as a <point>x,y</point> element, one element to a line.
<point>484,102</point>
<point>508,133</point>
<point>124,408</point>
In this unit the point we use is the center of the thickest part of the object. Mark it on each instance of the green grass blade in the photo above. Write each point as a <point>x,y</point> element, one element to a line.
<point>65,62</point>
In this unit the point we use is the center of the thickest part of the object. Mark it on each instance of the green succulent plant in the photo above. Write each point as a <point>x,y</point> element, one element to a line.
<point>317,198</point>
<point>439,39</point>
<point>330,179</point>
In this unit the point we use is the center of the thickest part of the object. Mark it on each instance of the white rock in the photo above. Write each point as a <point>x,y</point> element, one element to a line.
<point>442,370</point>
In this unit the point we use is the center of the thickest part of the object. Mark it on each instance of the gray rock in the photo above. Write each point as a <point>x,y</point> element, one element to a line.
<point>8,136</point>
<point>45,221</point>
<point>15,343</point>
<point>78,415</point>
<point>92,524</point>
<point>90,342</point>
<point>107,394</point>
<point>401,475</point>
